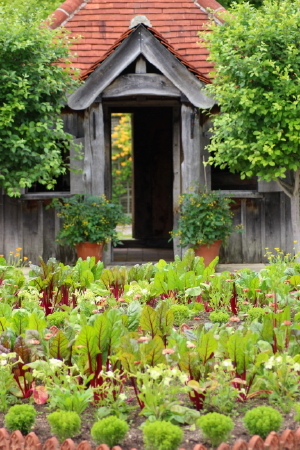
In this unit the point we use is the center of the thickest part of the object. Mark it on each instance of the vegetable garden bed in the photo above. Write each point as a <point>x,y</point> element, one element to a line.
<point>158,342</point>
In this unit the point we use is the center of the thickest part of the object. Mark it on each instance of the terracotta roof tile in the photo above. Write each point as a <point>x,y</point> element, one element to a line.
<point>102,23</point>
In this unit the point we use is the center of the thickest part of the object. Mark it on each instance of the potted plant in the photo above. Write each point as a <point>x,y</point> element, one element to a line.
<point>205,221</point>
<point>89,222</point>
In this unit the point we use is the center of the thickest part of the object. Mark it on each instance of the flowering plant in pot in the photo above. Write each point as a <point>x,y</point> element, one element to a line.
<point>205,221</point>
<point>89,220</point>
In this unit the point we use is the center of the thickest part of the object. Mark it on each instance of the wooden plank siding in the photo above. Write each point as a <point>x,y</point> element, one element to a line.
<point>266,219</point>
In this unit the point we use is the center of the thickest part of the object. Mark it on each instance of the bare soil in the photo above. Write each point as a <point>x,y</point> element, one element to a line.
<point>134,438</point>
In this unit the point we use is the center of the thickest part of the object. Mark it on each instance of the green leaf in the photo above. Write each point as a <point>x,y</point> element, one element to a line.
<point>59,346</point>
<point>295,281</point>
<point>101,332</point>
<point>164,319</point>
<point>153,351</point>
<point>3,324</point>
<point>148,320</point>
<point>87,345</point>
<point>134,313</point>
<point>207,346</point>
<point>37,323</point>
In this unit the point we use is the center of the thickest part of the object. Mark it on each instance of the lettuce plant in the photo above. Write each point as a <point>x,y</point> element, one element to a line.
<point>256,314</point>
<point>262,420</point>
<point>220,393</point>
<point>64,424</point>
<point>216,427</point>
<point>219,317</point>
<point>161,435</point>
<point>110,431</point>
<point>20,417</point>
<point>159,392</point>
<point>67,391</point>
<point>181,313</point>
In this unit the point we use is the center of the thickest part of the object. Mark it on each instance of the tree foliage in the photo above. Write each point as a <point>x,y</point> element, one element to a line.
<point>229,3</point>
<point>42,8</point>
<point>121,157</point>
<point>32,92</point>
<point>256,53</point>
<point>257,59</point>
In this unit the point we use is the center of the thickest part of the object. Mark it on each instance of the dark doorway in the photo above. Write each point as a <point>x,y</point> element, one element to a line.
<point>153,176</point>
<point>152,183</point>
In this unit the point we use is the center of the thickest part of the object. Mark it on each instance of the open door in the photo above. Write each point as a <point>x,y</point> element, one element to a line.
<point>153,176</point>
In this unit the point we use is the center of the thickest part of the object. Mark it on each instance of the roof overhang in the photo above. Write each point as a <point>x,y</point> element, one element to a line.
<point>140,42</point>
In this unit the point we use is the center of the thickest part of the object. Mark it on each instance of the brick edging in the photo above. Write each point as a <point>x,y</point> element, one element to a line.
<point>288,440</point>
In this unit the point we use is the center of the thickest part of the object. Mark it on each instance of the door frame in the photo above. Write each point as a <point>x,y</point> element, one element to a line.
<point>176,150</point>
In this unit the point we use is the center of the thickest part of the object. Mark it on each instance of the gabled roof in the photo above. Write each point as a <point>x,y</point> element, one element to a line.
<point>141,41</point>
<point>163,41</point>
<point>101,23</point>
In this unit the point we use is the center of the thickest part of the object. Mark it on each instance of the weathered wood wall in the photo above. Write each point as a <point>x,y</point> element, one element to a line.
<point>29,225</point>
<point>266,223</point>
<point>265,217</point>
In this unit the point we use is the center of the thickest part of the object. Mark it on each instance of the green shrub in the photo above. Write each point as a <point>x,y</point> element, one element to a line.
<point>57,318</point>
<point>162,435</point>
<point>262,420</point>
<point>219,317</point>
<point>297,409</point>
<point>216,427</point>
<point>64,424</point>
<point>109,431</point>
<point>256,314</point>
<point>181,313</point>
<point>20,417</point>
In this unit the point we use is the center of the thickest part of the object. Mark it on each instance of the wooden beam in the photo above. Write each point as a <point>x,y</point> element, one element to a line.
<point>108,70</point>
<point>141,84</point>
<point>40,233</point>
<point>245,244</point>
<point>107,140</point>
<point>45,195</point>
<point>149,103</point>
<point>140,65</point>
<point>76,178</point>
<point>283,221</point>
<point>268,186</point>
<point>205,171</point>
<point>140,42</point>
<point>176,177</point>
<point>94,150</point>
<point>108,249</point>
<point>190,141</point>
<point>158,55</point>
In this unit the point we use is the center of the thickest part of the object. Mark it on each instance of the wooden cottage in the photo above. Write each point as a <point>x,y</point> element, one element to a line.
<point>142,58</point>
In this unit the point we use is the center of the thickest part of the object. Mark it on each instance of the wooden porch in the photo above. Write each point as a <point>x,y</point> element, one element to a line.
<point>133,256</point>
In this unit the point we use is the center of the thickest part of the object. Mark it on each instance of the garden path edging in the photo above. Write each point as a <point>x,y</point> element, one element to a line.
<point>288,440</point>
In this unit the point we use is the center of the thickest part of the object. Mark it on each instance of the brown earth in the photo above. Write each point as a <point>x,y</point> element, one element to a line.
<point>134,438</point>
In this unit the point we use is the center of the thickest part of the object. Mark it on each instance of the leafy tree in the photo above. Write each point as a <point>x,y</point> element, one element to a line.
<point>41,7</point>
<point>121,157</point>
<point>257,58</point>
<point>32,91</point>
<point>229,3</point>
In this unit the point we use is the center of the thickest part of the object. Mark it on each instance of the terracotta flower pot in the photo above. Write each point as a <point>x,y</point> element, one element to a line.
<point>208,252</point>
<point>85,249</point>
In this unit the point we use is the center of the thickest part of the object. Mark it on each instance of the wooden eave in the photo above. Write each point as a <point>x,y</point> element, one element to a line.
<point>140,41</point>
